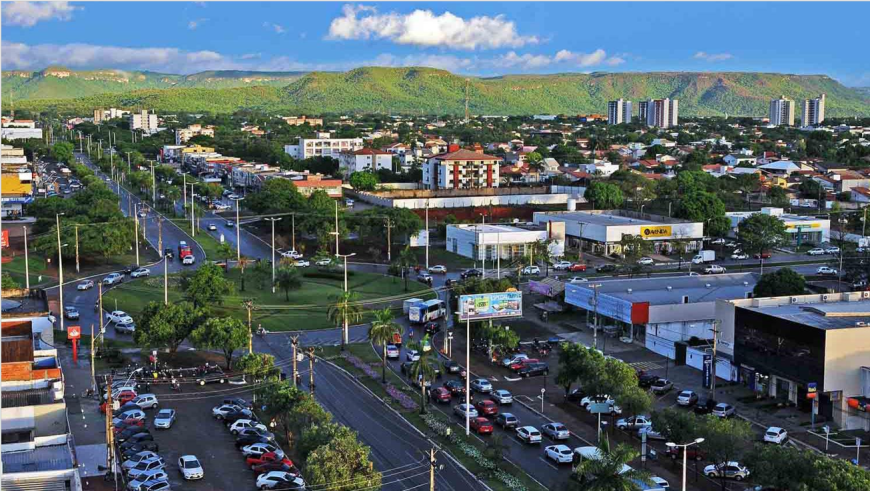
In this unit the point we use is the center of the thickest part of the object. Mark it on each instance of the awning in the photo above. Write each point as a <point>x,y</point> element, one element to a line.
<point>547,286</point>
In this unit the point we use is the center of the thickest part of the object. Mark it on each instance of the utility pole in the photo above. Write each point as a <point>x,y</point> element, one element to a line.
<point>595,288</point>
<point>427,235</point>
<point>160,236</point>
<point>716,332</point>
<point>77,248</point>
<point>136,233</point>
<point>93,374</point>
<point>129,168</point>
<point>248,304</point>
<point>293,231</point>
<point>59,271</point>
<point>192,212</point>
<point>165,281</point>
<point>432,463</point>
<point>153,185</point>
<point>100,308</point>
<point>26,261</point>
<point>336,228</point>
<point>273,220</point>
<point>311,370</point>
<point>389,242</point>
<point>294,343</point>
<point>238,228</point>
<point>110,433</point>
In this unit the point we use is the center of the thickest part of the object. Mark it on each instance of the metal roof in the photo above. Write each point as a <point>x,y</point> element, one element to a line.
<point>671,290</point>
<point>833,315</point>
<point>49,458</point>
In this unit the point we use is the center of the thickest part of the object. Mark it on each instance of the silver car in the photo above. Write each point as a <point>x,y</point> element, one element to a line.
<point>164,418</point>
<point>153,475</point>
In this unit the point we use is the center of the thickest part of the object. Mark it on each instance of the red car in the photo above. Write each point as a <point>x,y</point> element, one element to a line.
<point>266,458</point>
<point>487,408</point>
<point>440,394</point>
<point>577,268</point>
<point>274,466</point>
<point>515,366</point>
<point>481,425</point>
<point>125,396</point>
<point>763,255</point>
<point>127,423</point>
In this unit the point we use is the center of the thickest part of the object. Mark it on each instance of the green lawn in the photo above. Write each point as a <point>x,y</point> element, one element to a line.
<point>438,255</point>
<point>15,268</point>
<point>305,310</point>
<point>88,268</point>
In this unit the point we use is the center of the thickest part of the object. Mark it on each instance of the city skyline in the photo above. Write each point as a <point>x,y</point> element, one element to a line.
<point>484,39</point>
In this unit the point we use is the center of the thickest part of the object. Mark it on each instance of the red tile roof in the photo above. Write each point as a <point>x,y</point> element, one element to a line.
<point>463,154</point>
<point>370,151</point>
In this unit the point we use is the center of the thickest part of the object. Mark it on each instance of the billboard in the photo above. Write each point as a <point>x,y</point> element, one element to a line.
<point>608,306</point>
<point>490,306</point>
<point>421,239</point>
<point>4,239</point>
<point>656,231</point>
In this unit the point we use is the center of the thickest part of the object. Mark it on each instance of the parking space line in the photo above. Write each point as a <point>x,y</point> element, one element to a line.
<point>547,461</point>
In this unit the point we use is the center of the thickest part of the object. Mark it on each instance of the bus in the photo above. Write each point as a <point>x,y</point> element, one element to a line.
<point>429,310</point>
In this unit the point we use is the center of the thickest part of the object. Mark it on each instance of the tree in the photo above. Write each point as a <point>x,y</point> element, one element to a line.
<point>780,283</point>
<point>260,366</point>
<point>319,435</point>
<point>381,332</point>
<point>633,248</point>
<point>261,271</point>
<point>676,426</point>
<point>8,282</point>
<point>225,250</point>
<point>63,152</point>
<point>166,326</point>
<point>724,439</point>
<point>760,233</point>
<point>243,263</point>
<point>276,196</point>
<point>701,206</point>
<point>345,461</point>
<point>785,468</point>
<point>364,181</point>
<point>606,473</point>
<point>223,333</point>
<point>291,408</point>
<point>207,286</point>
<point>422,370</point>
<point>570,369</point>
<point>344,310</point>
<point>288,278</point>
<point>634,400</point>
<point>778,196</point>
<point>810,188</point>
<point>603,196</point>
<point>407,259</point>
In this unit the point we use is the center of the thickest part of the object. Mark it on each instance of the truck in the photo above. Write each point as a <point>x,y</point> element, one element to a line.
<point>184,250</point>
<point>704,256</point>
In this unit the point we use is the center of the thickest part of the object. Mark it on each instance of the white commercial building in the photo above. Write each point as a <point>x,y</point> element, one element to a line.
<point>365,159</point>
<point>602,230</point>
<point>782,112</point>
<point>184,134</point>
<point>20,133</point>
<point>145,121</point>
<point>800,229</point>
<point>489,241</point>
<point>813,111</point>
<point>322,147</point>
<point>618,112</point>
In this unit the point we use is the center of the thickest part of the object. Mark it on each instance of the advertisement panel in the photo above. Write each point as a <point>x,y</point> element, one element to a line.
<point>4,239</point>
<point>707,373</point>
<point>655,231</point>
<point>421,239</point>
<point>608,306</point>
<point>490,306</point>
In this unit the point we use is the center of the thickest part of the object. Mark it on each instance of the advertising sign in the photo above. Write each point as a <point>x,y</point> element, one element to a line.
<point>490,306</point>
<point>812,389</point>
<point>708,371</point>
<point>73,332</point>
<point>608,306</point>
<point>4,239</point>
<point>421,239</point>
<point>655,231</point>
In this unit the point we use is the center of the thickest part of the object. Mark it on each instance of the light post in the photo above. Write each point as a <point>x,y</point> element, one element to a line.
<point>136,232</point>
<point>192,211</point>
<point>59,269</point>
<point>344,333</point>
<point>685,448</point>
<point>238,240</point>
<point>273,220</point>
<point>26,261</point>
<point>843,223</point>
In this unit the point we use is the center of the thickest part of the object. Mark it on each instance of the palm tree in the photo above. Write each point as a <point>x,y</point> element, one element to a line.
<point>605,473</point>
<point>244,261</point>
<point>422,370</point>
<point>287,278</point>
<point>381,332</point>
<point>345,310</point>
<point>407,259</point>
<point>226,251</point>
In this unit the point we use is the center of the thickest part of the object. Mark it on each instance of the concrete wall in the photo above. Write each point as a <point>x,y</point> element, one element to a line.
<point>466,201</point>
<point>846,351</point>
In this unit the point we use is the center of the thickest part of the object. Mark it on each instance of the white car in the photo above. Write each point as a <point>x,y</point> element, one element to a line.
<point>731,470</point>
<point>230,223</point>
<point>125,327</point>
<point>714,269</point>
<point>212,227</point>
<point>146,401</point>
<point>562,265</point>
<point>438,268</point>
<point>481,385</point>
<point>634,423</point>
<point>412,355</point>
<point>510,360</point>
<point>646,261</point>
<point>243,424</point>
<point>392,352</point>
<point>531,270</point>
<point>776,435</point>
<point>561,454</point>
<point>826,270</point>
<point>718,241</point>
<point>302,263</point>
<point>140,272</point>
<point>464,410</point>
<point>190,467</point>
<point>529,434</point>
<point>502,396</point>
<point>164,418</point>
<point>136,458</point>
<point>739,256</point>
<point>324,262</point>
<point>280,480</point>
<point>816,252</point>
<point>188,259</point>
<point>291,254</point>
<point>85,285</point>
<point>258,449</point>
<point>832,250</point>
<point>220,411</point>
<point>119,316</point>
<point>556,431</point>
<point>687,398</point>
<point>660,482</point>
<point>113,278</point>
<point>151,477</point>
<point>578,280</point>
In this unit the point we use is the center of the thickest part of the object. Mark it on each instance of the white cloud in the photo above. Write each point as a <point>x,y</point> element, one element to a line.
<point>427,29</point>
<point>526,61</point>
<point>275,27</point>
<point>711,57</point>
<point>250,56</point>
<point>28,14</point>
<point>596,57</point>
<point>192,25</point>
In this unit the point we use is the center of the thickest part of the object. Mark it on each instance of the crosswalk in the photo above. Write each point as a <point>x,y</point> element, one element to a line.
<point>647,365</point>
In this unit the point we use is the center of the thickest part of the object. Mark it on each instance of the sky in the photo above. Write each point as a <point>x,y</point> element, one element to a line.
<point>476,38</point>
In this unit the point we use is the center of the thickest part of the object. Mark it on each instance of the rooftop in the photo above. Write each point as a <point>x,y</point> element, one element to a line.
<point>40,459</point>
<point>614,217</point>
<point>833,315</point>
<point>463,154</point>
<point>495,229</point>
<point>671,290</point>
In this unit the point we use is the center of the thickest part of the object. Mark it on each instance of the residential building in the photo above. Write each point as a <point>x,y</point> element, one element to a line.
<point>780,167</point>
<point>145,121</point>
<point>365,159</point>
<point>16,181</point>
<point>813,111</point>
<point>860,195</point>
<point>602,230</point>
<point>182,135</point>
<point>845,180</point>
<point>491,241</point>
<point>308,183</point>
<point>663,113</point>
<point>643,111</point>
<point>19,129</point>
<point>19,123</point>
<point>782,112</point>
<point>300,120</point>
<point>796,349</point>
<point>461,169</point>
<point>736,159</point>
<point>322,147</point>
<point>618,112</point>
<point>801,229</point>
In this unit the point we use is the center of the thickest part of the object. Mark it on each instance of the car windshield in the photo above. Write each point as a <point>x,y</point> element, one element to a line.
<point>191,464</point>
<point>164,414</point>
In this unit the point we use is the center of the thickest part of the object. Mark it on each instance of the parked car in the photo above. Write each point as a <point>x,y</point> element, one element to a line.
<point>471,273</point>
<point>577,268</point>
<point>560,454</point>
<point>392,352</point>
<point>456,387</point>
<point>268,457</point>
<point>251,436</point>
<point>719,241</point>
<point>693,453</point>
<point>285,481</point>
<point>510,360</point>
<point>816,251</point>
<point>481,385</point>
<point>85,285</point>
<point>136,414</point>
<point>146,401</point>
<point>646,380</point>
<point>714,269</point>
<point>133,460</point>
<point>651,433</point>
<point>302,263</point>
<point>634,423</point>
<point>258,449</point>
<point>243,424</point>
<point>440,394</point>
<point>776,435</point>
<point>129,441</point>
<point>292,254</point>
<point>502,396</point>
<point>125,327</point>
<point>238,401</point>
<point>424,278</point>
<point>486,408</point>
<point>412,355</point>
<point>529,434</point>
<point>70,312</point>
<point>534,369</point>
<point>705,406</point>
<point>646,261</point>
<point>661,386</point>
<point>464,410</point>
<point>731,470</point>
<point>274,466</point>
<point>832,250</point>
<point>451,366</point>
<point>221,411</point>
<point>145,466</point>
<point>723,410</point>
<point>118,316</point>
<point>556,431</point>
<point>606,268</point>
<point>438,269</point>
<point>144,446</point>
<point>129,269</point>
<point>578,280</point>
<point>481,426</point>
<point>148,479</point>
<point>529,270</point>
<point>687,398</point>
<point>762,255</point>
<point>515,366</point>
<point>826,270</point>
<point>562,265</point>
<point>507,420</point>
<point>164,418</point>
<point>234,416</point>
<point>323,262</point>
<point>740,256</point>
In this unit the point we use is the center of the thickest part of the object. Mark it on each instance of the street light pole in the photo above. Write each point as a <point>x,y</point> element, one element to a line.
<point>59,269</point>
<point>238,239</point>
<point>344,334</point>
<point>336,228</point>
<point>685,448</point>
<point>273,220</point>
<point>136,232</point>
<point>26,261</point>
<point>595,288</point>
<point>427,235</point>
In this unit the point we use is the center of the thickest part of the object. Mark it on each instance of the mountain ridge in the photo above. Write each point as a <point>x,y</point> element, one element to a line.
<point>423,89</point>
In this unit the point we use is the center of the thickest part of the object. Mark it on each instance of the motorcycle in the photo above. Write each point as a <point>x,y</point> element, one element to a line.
<point>262,332</point>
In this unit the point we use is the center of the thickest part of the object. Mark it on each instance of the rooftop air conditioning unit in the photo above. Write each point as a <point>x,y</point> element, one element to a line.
<point>860,324</point>
<point>793,300</point>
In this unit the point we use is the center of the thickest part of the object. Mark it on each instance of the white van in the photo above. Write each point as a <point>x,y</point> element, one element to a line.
<point>348,203</point>
<point>188,259</point>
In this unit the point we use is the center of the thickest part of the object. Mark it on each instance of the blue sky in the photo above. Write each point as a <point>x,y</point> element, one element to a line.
<point>485,38</point>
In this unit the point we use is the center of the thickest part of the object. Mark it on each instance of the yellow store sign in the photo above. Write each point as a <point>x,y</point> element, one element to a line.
<point>655,231</point>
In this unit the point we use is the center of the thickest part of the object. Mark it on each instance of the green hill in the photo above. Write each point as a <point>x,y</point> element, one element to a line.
<point>426,90</point>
